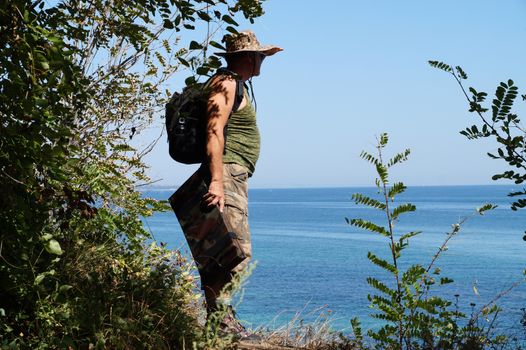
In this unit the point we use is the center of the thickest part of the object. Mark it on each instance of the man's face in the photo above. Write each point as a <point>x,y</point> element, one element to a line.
<point>258,58</point>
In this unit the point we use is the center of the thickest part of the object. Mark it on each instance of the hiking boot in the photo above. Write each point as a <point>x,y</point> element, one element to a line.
<point>231,325</point>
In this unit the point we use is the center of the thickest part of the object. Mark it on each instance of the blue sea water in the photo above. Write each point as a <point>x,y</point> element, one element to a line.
<point>309,257</point>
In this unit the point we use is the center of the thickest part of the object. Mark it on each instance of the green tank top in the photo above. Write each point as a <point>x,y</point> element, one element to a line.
<point>242,137</point>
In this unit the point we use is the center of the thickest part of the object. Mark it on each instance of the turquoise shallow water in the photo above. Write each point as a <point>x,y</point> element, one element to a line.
<point>308,257</point>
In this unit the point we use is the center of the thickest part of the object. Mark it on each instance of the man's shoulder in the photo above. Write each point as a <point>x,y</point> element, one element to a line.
<point>224,82</point>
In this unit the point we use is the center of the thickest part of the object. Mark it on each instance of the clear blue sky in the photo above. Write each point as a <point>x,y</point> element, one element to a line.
<point>353,69</point>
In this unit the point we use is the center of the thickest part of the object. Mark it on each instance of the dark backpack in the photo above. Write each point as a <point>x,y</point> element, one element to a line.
<point>186,121</point>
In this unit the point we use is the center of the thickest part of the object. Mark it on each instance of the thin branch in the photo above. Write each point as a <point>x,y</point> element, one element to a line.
<point>519,155</point>
<point>15,180</point>
<point>4,259</point>
<point>442,247</point>
<point>497,297</point>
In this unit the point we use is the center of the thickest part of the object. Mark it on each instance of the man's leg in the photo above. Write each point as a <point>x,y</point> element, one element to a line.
<point>235,215</point>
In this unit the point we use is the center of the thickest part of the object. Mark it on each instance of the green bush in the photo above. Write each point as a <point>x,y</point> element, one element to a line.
<point>78,80</point>
<point>412,316</point>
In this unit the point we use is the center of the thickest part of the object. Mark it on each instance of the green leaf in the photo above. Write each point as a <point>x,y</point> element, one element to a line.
<point>380,286</point>
<point>194,45</point>
<point>64,288</point>
<point>384,139</point>
<point>399,158</point>
<point>229,20</point>
<point>53,247</point>
<point>441,65</point>
<point>217,45</point>
<point>481,210</point>
<point>369,157</point>
<point>40,278</point>
<point>46,237</point>
<point>446,280</point>
<point>123,147</point>
<point>409,235</point>
<point>190,81</point>
<point>204,16</point>
<point>397,188</point>
<point>202,70</point>
<point>168,24</point>
<point>364,200</point>
<point>357,329</point>
<point>401,209</point>
<point>413,274</point>
<point>382,263</point>
<point>382,173</point>
<point>183,61</point>
<point>366,225</point>
<point>231,30</point>
<point>461,73</point>
<point>44,65</point>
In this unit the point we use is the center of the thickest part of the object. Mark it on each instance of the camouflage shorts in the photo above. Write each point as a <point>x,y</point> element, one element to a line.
<point>235,182</point>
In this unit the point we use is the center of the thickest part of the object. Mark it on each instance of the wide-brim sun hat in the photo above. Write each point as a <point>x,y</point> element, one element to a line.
<point>246,41</point>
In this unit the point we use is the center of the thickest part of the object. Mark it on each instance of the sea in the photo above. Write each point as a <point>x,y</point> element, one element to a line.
<point>312,266</point>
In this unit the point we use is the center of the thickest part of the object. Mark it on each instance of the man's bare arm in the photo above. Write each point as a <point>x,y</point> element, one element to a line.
<point>219,106</point>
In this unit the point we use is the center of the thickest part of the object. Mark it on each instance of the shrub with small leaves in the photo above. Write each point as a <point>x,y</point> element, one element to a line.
<point>412,316</point>
<point>78,80</point>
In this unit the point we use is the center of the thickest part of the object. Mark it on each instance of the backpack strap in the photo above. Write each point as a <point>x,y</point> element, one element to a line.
<point>239,96</point>
<point>240,93</point>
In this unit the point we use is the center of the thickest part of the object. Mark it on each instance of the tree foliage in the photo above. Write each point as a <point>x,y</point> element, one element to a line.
<point>500,123</point>
<point>78,80</point>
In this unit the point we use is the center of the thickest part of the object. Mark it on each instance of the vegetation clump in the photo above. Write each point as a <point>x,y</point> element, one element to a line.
<point>78,80</point>
<point>412,316</point>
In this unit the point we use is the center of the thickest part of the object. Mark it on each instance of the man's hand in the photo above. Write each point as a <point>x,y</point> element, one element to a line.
<point>215,195</point>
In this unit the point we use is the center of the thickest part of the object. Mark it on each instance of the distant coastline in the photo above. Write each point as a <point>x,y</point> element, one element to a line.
<point>175,187</point>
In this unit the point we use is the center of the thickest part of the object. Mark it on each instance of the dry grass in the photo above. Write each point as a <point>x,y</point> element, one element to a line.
<point>298,334</point>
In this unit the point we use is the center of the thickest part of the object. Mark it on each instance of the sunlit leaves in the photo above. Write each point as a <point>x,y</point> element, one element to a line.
<point>399,158</point>
<point>250,8</point>
<point>402,299</point>
<point>381,287</point>
<point>53,247</point>
<point>366,225</point>
<point>367,201</point>
<point>396,189</point>
<point>408,235</point>
<point>401,209</point>
<point>383,174</point>
<point>382,263</point>
<point>368,157</point>
<point>481,210</point>
<point>382,141</point>
<point>77,80</point>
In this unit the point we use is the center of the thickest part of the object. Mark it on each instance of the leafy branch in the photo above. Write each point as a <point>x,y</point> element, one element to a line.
<point>500,123</point>
<point>413,319</point>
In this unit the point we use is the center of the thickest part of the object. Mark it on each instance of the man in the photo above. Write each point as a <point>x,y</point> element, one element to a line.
<point>232,160</point>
